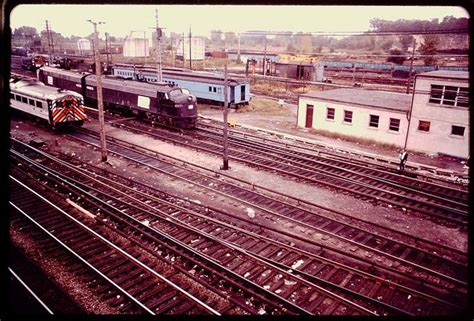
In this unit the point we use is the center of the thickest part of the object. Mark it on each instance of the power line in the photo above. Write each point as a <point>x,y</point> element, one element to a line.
<point>356,33</point>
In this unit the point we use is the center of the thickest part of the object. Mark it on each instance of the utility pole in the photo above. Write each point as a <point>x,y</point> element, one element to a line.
<point>50,43</point>
<point>184,60</point>
<point>100,103</point>
<point>265,57</point>
<point>107,46</point>
<point>226,157</point>
<point>411,65</point>
<point>190,57</point>
<point>238,49</point>
<point>159,74</point>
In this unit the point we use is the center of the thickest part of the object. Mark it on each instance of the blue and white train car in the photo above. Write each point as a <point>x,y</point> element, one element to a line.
<point>207,87</point>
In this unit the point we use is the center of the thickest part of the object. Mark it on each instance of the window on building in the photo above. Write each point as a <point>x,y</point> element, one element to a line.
<point>457,130</point>
<point>449,95</point>
<point>12,96</point>
<point>24,100</point>
<point>424,126</point>
<point>18,98</point>
<point>374,121</point>
<point>330,113</point>
<point>394,124</point>
<point>31,101</point>
<point>39,104</point>
<point>347,116</point>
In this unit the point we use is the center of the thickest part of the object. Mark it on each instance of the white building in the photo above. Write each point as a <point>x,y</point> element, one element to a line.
<point>197,48</point>
<point>439,109</point>
<point>136,45</point>
<point>440,113</point>
<point>377,115</point>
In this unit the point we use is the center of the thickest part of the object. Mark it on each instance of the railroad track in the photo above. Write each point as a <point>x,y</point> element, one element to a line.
<point>376,185</point>
<point>46,291</point>
<point>294,293</point>
<point>121,279</point>
<point>384,295</point>
<point>433,269</point>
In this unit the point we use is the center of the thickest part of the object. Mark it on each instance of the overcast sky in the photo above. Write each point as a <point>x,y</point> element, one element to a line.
<point>121,19</point>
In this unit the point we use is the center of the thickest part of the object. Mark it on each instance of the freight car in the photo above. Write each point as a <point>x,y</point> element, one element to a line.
<point>161,103</point>
<point>207,87</point>
<point>58,107</point>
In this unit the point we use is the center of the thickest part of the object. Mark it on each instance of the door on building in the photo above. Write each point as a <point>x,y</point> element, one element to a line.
<point>309,116</point>
<point>242,93</point>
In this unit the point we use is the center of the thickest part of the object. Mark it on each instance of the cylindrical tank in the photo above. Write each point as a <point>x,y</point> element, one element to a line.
<point>136,45</point>
<point>84,46</point>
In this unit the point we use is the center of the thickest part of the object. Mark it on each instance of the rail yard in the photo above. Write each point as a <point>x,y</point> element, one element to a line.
<point>119,202</point>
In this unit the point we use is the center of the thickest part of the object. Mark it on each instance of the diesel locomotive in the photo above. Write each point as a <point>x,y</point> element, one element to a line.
<point>163,103</point>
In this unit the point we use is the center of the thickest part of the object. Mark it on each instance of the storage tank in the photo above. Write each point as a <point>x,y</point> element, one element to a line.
<point>136,45</point>
<point>84,46</point>
<point>197,48</point>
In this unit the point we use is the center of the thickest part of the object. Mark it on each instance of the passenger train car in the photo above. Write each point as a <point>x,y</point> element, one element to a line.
<point>159,102</point>
<point>57,106</point>
<point>207,87</point>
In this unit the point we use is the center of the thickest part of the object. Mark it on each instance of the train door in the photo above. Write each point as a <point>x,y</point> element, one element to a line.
<point>309,116</point>
<point>232,94</point>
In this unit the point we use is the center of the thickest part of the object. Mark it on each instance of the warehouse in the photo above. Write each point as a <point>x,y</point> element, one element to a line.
<point>440,114</point>
<point>439,109</point>
<point>376,115</point>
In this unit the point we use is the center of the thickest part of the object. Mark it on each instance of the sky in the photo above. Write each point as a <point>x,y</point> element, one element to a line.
<point>120,20</point>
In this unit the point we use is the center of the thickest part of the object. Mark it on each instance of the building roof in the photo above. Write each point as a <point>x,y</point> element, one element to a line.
<point>452,74</point>
<point>371,98</point>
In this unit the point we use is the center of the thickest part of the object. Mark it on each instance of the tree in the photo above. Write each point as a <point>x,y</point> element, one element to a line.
<point>429,47</point>
<point>25,31</point>
<point>405,42</point>
<point>290,48</point>
<point>396,58</point>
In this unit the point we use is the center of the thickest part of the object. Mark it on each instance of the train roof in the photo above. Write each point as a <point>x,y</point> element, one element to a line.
<point>186,74</point>
<point>35,88</point>
<point>132,86</point>
<point>371,98</point>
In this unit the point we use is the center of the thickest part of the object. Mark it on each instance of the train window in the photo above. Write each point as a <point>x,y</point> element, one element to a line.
<point>39,104</point>
<point>210,88</point>
<point>31,101</point>
<point>330,113</point>
<point>424,126</point>
<point>457,130</point>
<point>24,100</point>
<point>347,116</point>
<point>374,121</point>
<point>18,98</point>
<point>12,96</point>
<point>394,124</point>
<point>219,90</point>
<point>215,89</point>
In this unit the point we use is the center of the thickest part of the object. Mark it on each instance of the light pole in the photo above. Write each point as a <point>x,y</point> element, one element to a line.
<point>100,104</point>
<point>225,165</point>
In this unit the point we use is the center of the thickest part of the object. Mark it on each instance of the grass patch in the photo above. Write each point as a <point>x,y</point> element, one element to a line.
<point>264,106</point>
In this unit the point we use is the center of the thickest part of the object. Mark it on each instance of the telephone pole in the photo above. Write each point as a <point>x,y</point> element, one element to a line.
<point>411,65</point>
<point>50,43</point>
<point>225,166</point>
<point>184,60</point>
<point>100,103</point>
<point>159,74</point>
<point>265,57</point>
<point>190,56</point>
